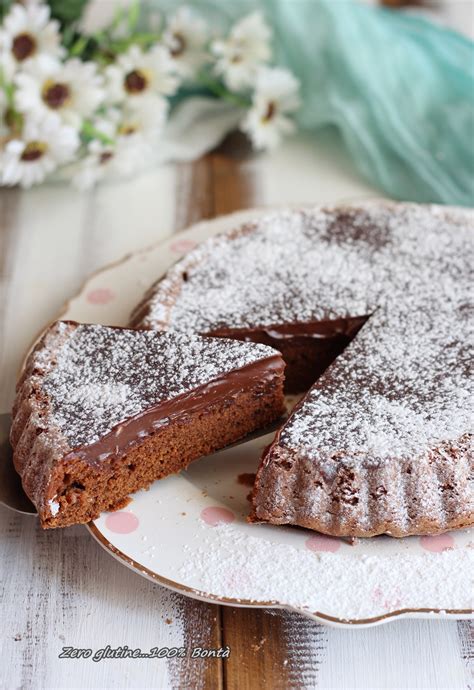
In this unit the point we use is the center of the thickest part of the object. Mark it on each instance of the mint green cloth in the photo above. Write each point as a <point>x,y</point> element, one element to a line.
<point>398,87</point>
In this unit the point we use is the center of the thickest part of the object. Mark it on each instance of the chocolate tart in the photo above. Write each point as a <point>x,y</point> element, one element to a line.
<point>102,412</point>
<point>370,307</point>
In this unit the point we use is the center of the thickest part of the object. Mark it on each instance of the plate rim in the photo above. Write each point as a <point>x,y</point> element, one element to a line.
<point>144,571</point>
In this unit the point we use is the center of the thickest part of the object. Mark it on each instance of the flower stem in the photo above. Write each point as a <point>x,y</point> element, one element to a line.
<point>90,132</point>
<point>78,46</point>
<point>219,90</point>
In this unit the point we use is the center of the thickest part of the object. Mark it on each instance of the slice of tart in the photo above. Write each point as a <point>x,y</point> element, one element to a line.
<point>102,412</point>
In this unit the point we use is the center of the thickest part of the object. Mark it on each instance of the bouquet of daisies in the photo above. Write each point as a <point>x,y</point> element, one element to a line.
<point>85,107</point>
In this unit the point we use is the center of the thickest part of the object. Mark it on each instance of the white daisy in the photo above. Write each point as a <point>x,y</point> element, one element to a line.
<point>97,164</point>
<point>44,145</point>
<point>104,161</point>
<point>28,32</point>
<point>185,37</point>
<point>137,74</point>
<point>275,97</point>
<point>73,90</point>
<point>105,123</point>
<point>144,122</point>
<point>134,133</point>
<point>247,47</point>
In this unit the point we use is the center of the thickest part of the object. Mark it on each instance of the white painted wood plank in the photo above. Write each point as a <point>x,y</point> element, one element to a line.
<point>60,237</point>
<point>403,654</point>
<point>46,240</point>
<point>400,655</point>
<point>59,588</point>
<point>309,169</point>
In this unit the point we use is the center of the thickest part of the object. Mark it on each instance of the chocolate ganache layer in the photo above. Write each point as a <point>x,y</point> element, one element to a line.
<point>307,348</point>
<point>122,438</point>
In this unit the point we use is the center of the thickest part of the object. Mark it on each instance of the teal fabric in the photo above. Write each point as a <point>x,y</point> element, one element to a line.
<point>398,87</point>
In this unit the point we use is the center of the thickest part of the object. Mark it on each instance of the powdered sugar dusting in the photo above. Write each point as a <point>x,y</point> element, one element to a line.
<point>237,565</point>
<point>402,386</point>
<point>395,393</point>
<point>54,507</point>
<point>103,376</point>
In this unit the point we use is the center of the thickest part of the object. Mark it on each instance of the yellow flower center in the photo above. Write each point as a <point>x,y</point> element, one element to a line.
<point>127,130</point>
<point>270,112</point>
<point>56,95</point>
<point>24,46</point>
<point>179,45</point>
<point>33,151</point>
<point>105,157</point>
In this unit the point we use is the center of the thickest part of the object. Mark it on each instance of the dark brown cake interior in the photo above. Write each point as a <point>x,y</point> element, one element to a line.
<point>307,348</point>
<point>84,488</point>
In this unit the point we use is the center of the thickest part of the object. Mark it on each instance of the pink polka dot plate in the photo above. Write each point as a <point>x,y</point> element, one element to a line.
<point>189,532</point>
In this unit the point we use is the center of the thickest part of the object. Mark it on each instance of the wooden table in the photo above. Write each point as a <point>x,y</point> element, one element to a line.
<point>59,588</point>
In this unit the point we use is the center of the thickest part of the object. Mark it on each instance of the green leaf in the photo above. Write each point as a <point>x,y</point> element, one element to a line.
<point>4,8</point>
<point>217,88</point>
<point>89,132</point>
<point>133,15</point>
<point>78,46</point>
<point>67,11</point>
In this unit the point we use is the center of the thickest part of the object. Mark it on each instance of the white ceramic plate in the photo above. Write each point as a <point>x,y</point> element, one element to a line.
<point>189,532</point>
